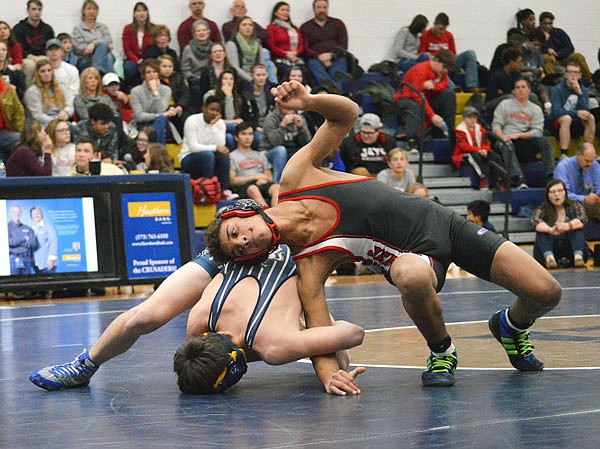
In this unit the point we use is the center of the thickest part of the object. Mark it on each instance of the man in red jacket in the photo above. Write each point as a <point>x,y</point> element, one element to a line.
<point>439,38</point>
<point>430,78</point>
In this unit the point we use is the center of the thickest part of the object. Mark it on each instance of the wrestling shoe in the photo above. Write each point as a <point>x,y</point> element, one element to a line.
<point>440,370</point>
<point>516,344</point>
<point>74,374</point>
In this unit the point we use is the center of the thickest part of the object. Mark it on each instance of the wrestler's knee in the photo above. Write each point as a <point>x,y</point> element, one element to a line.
<point>143,320</point>
<point>412,276</point>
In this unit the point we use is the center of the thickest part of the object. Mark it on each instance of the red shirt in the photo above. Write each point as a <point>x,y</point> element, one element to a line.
<point>416,76</point>
<point>131,48</point>
<point>432,44</point>
<point>279,41</point>
<point>15,53</point>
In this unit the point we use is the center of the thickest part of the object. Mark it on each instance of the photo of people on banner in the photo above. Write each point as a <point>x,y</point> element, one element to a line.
<point>43,236</point>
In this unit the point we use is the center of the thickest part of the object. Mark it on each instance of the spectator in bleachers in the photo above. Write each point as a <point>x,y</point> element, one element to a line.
<point>180,94</point>
<point>238,10</point>
<point>63,152</point>
<point>285,132</point>
<point>478,211</point>
<point>32,33</point>
<point>150,101</point>
<point>525,20</point>
<point>184,32</point>
<point>101,130</point>
<point>407,42</point>
<point>121,101</point>
<point>581,175</point>
<point>439,38</point>
<point>15,53</point>
<point>398,176</point>
<point>14,77</point>
<point>195,57</point>
<point>45,101</point>
<point>92,41</point>
<point>285,40</point>
<point>258,101</point>
<point>521,122</point>
<point>558,48</point>
<point>570,109</point>
<point>85,151</point>
<point>322,35</point>
<point>514,38</point>
<point>431,79</point>
<point>244,50</point>
<point>90,93</point>
<point>473,149</point>
<point>157,159</point>
<point>136,38</point>
<point>594,94</point>
<point>502,81</point>
<point>134,155</point>
<point>12,118</point>
<point>365,153</point>
<point>558,223</point>
<point>33,146</point>
<point>67,46</point>
<point>418,189</point>
<point>251,175</point>
<point>231,103</point>
<point>161,36</point>
<point>66,74</point>
<point>203,153</point>
<point>217,63</point>
<point>533,67</point>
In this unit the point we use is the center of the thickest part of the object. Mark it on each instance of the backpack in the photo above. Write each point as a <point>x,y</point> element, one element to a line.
<point>206,191</point>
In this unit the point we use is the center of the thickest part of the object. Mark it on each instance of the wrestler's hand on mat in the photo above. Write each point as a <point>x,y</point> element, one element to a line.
<point>344,382</point>
<point>291,95</point>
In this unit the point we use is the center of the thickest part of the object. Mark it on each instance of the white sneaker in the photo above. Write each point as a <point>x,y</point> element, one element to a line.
<point>523,186</point>
<point>563,156</point>
<point>229,195</point>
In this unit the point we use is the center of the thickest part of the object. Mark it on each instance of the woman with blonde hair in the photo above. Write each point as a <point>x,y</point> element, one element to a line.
<point>92,41</point>
<point>90,93</point>
<point>63,153</point>
<point>45,101</point>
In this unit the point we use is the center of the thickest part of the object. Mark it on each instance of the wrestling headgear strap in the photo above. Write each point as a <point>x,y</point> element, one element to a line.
<point>247,208</point>
<point>234,370</point>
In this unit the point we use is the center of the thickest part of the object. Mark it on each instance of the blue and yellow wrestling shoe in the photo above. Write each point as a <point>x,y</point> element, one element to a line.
<point>440,370</point>
<point>74,374</point>
<point>515,343</point>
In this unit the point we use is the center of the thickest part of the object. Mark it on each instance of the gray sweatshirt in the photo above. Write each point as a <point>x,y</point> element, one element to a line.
<point>510,118</point>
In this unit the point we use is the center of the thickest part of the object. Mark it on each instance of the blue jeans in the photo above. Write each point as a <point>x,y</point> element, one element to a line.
<point>7,140</point>
<point>270,66</point>
<point>467,60</point>
<point>132,74</point>
<point>206,164</point>
<point>403,66</point>
<point>320,72</point>
<point>278,157</point>
<point>161,125</point>
<point>545,242</point>
<point>102,59</point>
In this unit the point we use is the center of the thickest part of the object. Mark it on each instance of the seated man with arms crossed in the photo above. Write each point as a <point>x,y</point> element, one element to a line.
<point>328,217</point>
<point>180,292</point>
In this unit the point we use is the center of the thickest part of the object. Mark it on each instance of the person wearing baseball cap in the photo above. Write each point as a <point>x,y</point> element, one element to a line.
<point>365,153</point>
<point>66,74</point>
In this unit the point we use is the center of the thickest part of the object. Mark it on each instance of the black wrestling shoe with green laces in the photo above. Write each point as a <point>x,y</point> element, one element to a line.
<point>440,370</point>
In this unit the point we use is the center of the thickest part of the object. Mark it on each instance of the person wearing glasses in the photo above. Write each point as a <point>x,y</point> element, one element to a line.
<point>571,109</point>
<point>558,224</point>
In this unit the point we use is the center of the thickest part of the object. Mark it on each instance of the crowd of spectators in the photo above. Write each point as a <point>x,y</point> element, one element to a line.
<point>217,87</point>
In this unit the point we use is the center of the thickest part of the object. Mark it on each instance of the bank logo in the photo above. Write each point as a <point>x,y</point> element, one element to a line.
<point>145,209</point>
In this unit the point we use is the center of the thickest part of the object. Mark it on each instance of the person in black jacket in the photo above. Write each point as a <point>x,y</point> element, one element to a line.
<point>180,94</point>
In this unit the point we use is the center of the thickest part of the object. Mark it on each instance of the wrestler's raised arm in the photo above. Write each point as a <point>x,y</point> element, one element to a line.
<point>340,115</point>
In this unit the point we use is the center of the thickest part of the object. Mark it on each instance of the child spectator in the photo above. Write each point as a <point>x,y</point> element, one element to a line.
<point>478,212</point>
<point>157,159</point>
<point>250,174</point>
<point>121,101</point>
<point>34,145</point>
<point>67,46</point>
<point>472,148</point>
<point>398,176</point>
<point>63,154</point>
